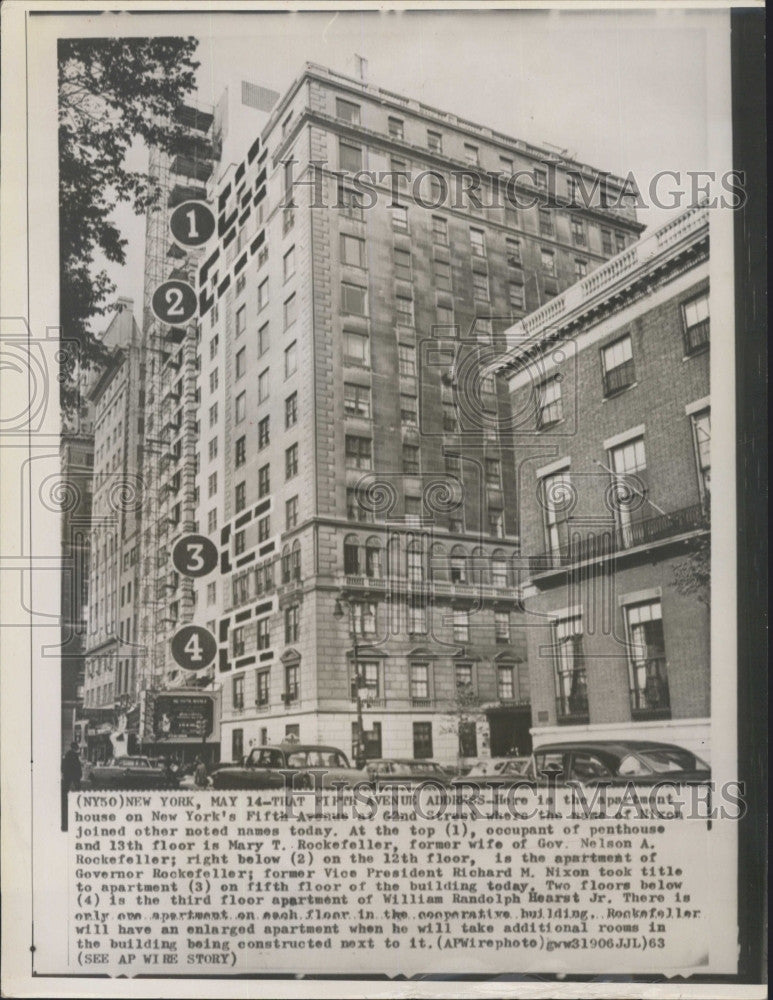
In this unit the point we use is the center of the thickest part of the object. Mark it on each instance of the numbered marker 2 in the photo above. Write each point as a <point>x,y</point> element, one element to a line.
<point>174,302</point>
<point>192,223</point>
<point>193,647</point>
<point>194,555</point>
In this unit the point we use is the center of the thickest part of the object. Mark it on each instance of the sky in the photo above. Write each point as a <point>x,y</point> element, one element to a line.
<point>622,91</point>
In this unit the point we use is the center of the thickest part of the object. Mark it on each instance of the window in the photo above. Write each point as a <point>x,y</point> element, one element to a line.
<point>263,385</point>
<point>439,230</point>
<point>407,360</point>
<point>211,593</point>
<point>580,268</point>
<point>404,309</point>
<point>516,297</point>
<point>471,154</point>
<point>351,556</point>
<point>618,367</point>
<point>499,570</point>
<point>241,407</point>
<point>365,618</point>
<point>264,484</point>
<point>411,459</point>
<point>415,563</point>
<point>240,496</point>
<point>417,618</point>
<point>237,745</point>
<point>213,347</point>
<point>240,541</point>
<point>373,559</point>
<point>540,179</point>
<point>213,415</point>
<point>358,452</point>
<point>420,681</point>
<point>291,682</point>
<point>502,626</point>
<point>349,157</point>
<point>505,683</point>
<point>291,410</point>
<point>434,141</point>
<point>237,638</point>
<point>263,340</point>
<point>619,242</point>
<point>241,320</point>
<point>445,317</point>
<point>409,412</point>
<point>290,311</point>
<point>480,287</point>
<point>422,740</point>
<point>571,682</point>
<point>513,251</point>
<point>461,625</point>
<point>349,202</point>
<point>400,219</point>
<point>549,403</point>
<point>496,524</point>
<point>647,659</point>
<point>212,521</point>
<point>402,264</point>
<point>288,264</point>
<point>352,250</point>
<point>493,472</point>
<point>291,513</point>
<point>213,380</point>
<point>629,463</point>
<point>347,111</point>
<point>548,261</point>
<point>212,484</point>
<point>442,270</point>
<point>695,317</point>
<point>264,528</point>
<point>262,678</point>
<point>545,222</point>
<point>212,449</point>
<point>354,299</point>
<point>263,294</point>
<point>555,497</point>
<point>295,560</point>
<point>478,242</point>
<point>241,363</point>
<point>355,509</point>
<point>291,461</point>
<point>395,126</point>
<point>357,400</point>
<point>291,359</point>
<point>264,433</point>
<point>578,232</point>
<point>450,423</point>
<point>701,426</point>
<point>356,349</point>
<point>606,241</point>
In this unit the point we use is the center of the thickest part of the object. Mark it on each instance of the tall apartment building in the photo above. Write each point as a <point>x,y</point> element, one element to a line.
<point>111,652</point>
<point>610,389</point>
<point>351,467</point>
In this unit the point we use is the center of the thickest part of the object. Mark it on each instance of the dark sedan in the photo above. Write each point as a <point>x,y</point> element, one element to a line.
<point>405,770</point>
<point>130,773</point>
<point>617,762</point>
<point>273,767</point>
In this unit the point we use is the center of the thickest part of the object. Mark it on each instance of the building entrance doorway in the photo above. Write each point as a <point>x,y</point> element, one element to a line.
<point>509,731</point>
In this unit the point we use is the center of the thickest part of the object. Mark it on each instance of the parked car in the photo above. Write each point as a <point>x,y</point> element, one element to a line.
<point>497,771</point>
<point>406,771</point>
<point>129,773</point>
<point>617,762</point>
<point>267,767</point>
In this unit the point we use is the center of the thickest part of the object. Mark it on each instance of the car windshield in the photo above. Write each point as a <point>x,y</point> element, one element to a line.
<point>665,760</point>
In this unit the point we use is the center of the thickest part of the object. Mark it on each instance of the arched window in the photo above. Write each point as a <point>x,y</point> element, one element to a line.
<point>479,566</point>
<point>499,568</point>
<point>415,562</point>
<point>438,562</point>
<point>286,565</point>
<point>295,560</point>
<point>459,569</point>
<point>373,567</point>
<point>351,556</point>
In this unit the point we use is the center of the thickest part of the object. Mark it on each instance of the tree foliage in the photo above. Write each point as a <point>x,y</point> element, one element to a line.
<point>692,575</point>
<point>112,91</point>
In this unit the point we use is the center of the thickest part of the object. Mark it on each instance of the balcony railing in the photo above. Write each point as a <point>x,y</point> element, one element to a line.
<point>421,702</point>
<point>651,698</point>
<point>619,538</point>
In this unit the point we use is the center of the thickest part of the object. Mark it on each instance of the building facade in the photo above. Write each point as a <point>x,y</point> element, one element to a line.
<point>610,391</point>
<point>351,465</point>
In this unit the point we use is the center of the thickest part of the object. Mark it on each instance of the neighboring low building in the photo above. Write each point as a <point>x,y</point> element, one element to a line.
<point>610,390</point>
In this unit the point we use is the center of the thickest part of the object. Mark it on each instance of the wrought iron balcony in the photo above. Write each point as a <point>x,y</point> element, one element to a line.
<point>651,698</point>
<point>620,538</point>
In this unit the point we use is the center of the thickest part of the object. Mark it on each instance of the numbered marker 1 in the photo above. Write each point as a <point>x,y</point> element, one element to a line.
<point>194,555</point>
<point>174,302</point>
<point>192,223</point>
<point>193,647</point>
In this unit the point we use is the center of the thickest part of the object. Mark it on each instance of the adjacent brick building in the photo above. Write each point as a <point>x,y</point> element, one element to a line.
<point>611,414</point>
<point>351,465</point>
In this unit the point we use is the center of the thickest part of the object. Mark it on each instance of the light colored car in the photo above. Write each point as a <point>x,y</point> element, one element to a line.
<point>130,773</point>
<point>405,770</point>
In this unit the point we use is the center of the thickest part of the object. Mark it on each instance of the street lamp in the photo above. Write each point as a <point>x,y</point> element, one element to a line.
<point>338,613</point>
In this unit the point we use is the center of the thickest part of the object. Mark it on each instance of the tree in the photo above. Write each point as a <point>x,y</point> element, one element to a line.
<point>465,711</point>
<point>692,575</point>
<point>112,91</point>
